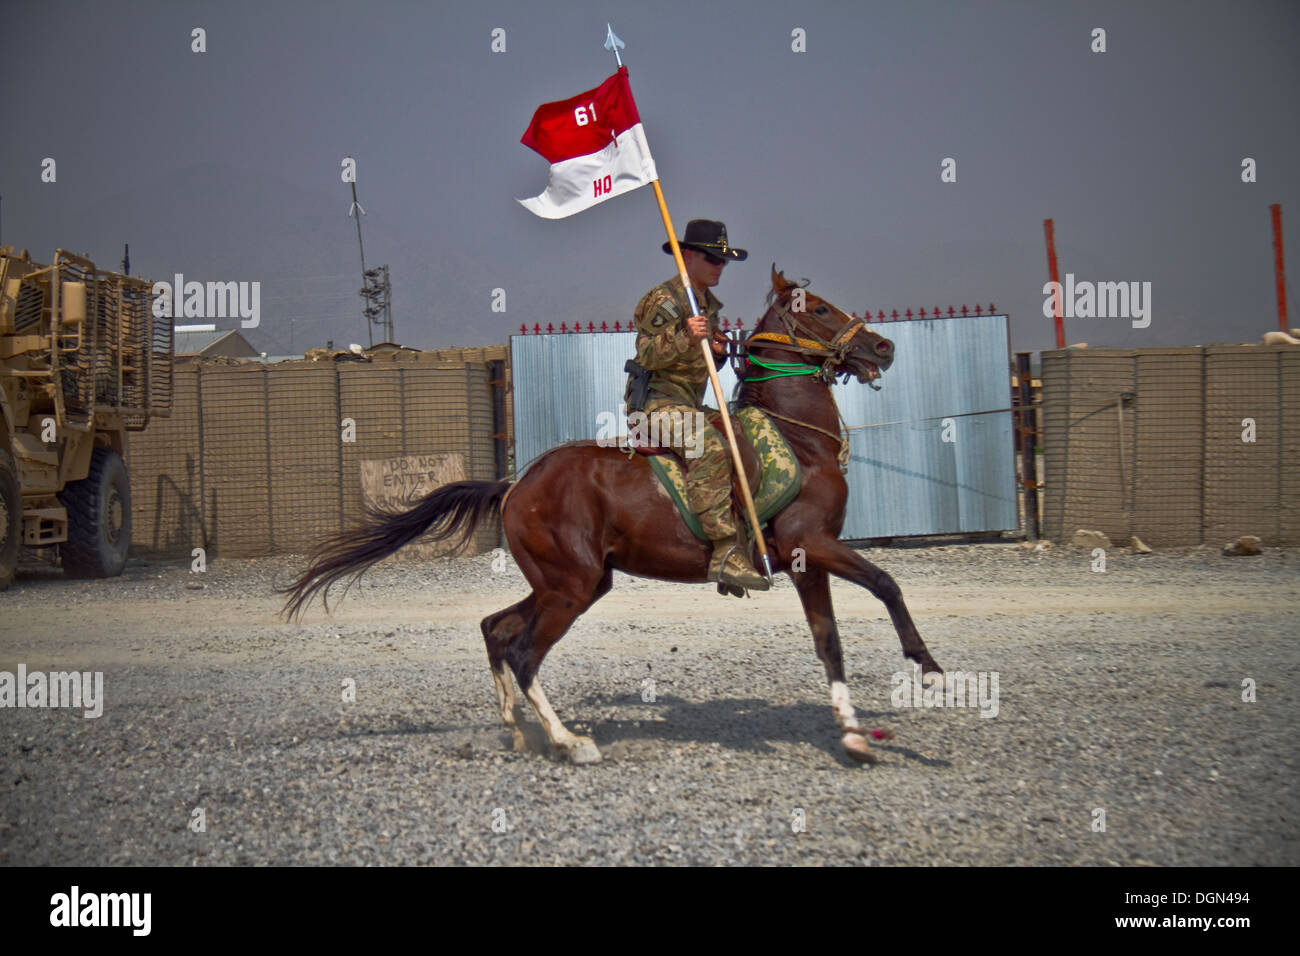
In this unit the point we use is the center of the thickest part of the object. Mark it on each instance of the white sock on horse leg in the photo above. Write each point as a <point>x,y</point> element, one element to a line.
<point>840,703</point>
<point>559,734</point>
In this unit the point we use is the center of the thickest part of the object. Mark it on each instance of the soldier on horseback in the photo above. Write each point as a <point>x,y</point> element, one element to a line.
<point>669,378</point>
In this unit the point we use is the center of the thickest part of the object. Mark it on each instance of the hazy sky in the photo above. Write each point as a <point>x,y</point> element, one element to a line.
<point>225,165</point>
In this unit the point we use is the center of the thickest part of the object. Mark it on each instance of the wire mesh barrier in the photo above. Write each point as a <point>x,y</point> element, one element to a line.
<point>260,459</point>
<point>1179,446</point>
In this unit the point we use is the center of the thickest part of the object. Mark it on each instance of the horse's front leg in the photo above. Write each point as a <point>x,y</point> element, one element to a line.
<point>833,555</point>
<point>815,592</point>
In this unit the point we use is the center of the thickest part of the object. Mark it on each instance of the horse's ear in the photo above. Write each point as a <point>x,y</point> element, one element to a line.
<point>780,284</point>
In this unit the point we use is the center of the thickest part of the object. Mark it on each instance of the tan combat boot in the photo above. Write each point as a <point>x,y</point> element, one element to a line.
<point>730,565</point>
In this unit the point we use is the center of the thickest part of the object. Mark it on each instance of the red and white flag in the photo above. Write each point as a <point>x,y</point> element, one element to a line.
<point>596,147</point>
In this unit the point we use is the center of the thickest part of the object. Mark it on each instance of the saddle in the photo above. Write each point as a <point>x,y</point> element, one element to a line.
<point>771,468</point>
<point>748,456</point>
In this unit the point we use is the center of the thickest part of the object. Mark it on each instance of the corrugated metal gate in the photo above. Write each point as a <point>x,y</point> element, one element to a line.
<point>910,472</point>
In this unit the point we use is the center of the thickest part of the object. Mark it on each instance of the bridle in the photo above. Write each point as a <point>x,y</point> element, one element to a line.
<point>828,355</point>
<point>807,344</point>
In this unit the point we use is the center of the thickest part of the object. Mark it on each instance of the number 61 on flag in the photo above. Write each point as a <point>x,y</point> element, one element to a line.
<point>596,147</point>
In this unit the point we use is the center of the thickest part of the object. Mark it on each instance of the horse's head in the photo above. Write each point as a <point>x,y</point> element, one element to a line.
<point>843,344</point>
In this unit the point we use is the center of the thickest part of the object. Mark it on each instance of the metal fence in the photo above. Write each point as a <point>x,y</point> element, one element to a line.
<point>911,472</point>
<point>259,459</point>
<point>933,452</point>
<point>1180,446</point>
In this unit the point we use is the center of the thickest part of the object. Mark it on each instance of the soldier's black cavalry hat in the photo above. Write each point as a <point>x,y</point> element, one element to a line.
<point>706,235</point>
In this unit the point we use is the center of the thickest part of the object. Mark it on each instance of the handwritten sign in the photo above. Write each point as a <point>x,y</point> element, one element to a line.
<point>398,484</point>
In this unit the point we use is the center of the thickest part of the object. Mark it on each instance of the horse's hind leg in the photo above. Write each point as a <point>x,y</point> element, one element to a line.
<point>579,749</point>
<point>815,592</point>
<point>555,611</point>
<point>499,632</point>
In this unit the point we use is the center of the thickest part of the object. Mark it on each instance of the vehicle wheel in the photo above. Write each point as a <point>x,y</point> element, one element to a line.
<point>99,519</point>
<point>11,519</point>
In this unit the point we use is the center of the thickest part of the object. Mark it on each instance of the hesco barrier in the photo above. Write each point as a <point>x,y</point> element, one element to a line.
<point>256,459</point>
<point>1156,443</point>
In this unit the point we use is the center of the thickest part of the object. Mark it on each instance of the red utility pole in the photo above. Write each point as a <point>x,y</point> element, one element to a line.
<point>1279,269</point>
<point>1056,277</point>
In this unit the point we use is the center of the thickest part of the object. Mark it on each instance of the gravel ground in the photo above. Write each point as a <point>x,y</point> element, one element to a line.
<point>1118,691</point>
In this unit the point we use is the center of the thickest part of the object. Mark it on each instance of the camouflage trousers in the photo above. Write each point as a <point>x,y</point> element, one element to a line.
<point>704,455</point>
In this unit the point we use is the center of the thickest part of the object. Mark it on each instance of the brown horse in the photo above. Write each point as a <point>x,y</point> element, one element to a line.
<point>582,510</point>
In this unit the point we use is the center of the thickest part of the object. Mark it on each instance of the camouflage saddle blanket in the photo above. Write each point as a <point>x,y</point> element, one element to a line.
<point>779,477</point>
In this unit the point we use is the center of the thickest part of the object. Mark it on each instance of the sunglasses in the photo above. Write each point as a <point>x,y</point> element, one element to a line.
<point>711,259</point>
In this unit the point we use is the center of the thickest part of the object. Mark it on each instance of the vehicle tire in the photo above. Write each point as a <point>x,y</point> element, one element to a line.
<point>99,519</point>
<point>11,519</point>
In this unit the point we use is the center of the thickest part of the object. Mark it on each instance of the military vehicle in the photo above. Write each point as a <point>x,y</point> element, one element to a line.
<point>83,361</point>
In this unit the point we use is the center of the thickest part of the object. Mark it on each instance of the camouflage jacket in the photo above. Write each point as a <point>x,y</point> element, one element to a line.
<point>664,346</point>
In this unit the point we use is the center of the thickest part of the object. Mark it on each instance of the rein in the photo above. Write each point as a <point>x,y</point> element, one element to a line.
<point>842,456</point>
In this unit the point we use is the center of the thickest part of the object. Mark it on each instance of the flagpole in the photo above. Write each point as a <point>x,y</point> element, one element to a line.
<point>614,44</point>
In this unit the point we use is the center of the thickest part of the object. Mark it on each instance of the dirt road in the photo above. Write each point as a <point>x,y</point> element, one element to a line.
<point>1120,704</point>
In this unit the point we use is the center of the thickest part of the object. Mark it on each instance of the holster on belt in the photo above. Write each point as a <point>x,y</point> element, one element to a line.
<point>638,390</point>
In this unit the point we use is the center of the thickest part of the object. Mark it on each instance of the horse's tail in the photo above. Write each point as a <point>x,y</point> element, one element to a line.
<point>455,509</point>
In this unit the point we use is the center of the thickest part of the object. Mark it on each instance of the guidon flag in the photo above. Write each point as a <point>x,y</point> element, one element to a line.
<point>595,145</point>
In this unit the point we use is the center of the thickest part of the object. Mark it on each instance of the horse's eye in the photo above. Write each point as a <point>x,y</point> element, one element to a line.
<point>821,310</point>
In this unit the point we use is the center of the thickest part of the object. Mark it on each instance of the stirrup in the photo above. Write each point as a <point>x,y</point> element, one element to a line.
<point>734,580</point>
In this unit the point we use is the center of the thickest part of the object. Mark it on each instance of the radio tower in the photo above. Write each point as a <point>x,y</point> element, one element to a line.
<point>376,290</point>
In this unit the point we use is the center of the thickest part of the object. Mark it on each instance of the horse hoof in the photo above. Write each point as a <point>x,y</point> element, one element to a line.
<point>584,751</point>
<point>856,746</point>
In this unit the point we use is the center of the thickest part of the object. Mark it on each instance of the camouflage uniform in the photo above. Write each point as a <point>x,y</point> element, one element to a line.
<point>678,382</point>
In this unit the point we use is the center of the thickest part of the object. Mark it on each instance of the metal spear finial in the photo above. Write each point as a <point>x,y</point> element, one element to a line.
<point>612,42</point>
